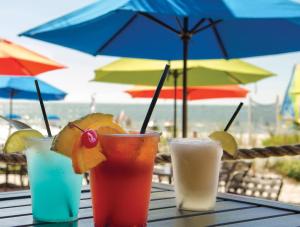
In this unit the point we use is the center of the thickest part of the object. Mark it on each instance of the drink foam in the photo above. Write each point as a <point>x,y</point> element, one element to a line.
<point>193,141</point>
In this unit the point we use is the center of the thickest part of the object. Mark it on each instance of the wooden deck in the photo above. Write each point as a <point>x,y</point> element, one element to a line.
<point>231,210</point>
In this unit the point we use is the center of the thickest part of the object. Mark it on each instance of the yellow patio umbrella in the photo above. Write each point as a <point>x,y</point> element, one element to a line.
<point>201,72</point>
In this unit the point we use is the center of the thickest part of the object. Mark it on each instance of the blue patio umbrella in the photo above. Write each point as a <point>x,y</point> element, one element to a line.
<point>53,117</point>
<point>178,29</point>
<point>13,116</point>
<point>18,87</point>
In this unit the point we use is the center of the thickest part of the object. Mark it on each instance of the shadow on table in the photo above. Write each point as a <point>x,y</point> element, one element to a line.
<point>57,224</point>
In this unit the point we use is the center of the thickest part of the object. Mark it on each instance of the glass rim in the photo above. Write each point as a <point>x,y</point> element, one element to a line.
<point>193,141</point>
<point>135,133</point>
<point>39,139</point>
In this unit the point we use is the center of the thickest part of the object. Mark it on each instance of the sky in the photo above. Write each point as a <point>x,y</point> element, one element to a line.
<point>17,16</point>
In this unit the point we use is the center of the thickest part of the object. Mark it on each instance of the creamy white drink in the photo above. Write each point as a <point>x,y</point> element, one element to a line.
<point>196,164</point>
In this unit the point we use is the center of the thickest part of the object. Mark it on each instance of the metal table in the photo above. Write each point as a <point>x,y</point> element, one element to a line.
<point>231,210</point>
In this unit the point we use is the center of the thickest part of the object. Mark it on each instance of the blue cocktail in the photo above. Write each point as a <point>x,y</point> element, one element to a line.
<point>55,188</point>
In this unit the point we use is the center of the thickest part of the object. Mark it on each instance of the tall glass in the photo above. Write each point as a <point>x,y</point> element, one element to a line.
<point>196,165</point>
<point>121,185</point>
<point>55,188</point>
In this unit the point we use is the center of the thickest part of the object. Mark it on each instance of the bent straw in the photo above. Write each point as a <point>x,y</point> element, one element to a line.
<point>154,99</point>
<point>233,116</point>
<point>42,107</point>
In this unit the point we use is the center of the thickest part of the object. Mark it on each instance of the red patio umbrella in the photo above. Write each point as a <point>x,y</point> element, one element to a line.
<point>19,61</point>
<point>16,60</point>
<point>193,93</point>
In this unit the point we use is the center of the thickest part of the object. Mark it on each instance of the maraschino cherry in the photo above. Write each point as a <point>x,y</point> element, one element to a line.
<point>89,137</point>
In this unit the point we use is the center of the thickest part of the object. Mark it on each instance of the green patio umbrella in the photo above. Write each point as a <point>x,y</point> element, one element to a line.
<point>201,72</point>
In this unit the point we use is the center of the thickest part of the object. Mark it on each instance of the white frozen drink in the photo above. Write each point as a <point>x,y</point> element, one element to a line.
<point>196,164</point>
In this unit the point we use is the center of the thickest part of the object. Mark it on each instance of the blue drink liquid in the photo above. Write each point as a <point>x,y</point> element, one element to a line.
<point>55,188</point>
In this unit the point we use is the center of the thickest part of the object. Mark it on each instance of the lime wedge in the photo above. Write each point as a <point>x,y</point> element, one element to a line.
<point>16,142</point>
<point>227,141</point>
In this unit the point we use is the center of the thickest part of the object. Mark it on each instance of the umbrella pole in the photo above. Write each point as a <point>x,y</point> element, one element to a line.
<point>10,110</point>
<point>185,41</point>
<point>175,75</point>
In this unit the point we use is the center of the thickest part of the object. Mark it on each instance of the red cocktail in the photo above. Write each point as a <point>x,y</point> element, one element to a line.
<point>121,185</point>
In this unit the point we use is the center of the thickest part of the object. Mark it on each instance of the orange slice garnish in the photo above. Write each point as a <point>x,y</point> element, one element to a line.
<point>64,141</point>
<point>83,159</point>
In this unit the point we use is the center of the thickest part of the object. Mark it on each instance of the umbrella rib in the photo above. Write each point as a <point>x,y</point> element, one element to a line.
<point>197,25</point>
<point>23,67</point>
<point>159,22</point>
<point>234,78</point>
<point>179,23</point>
<point>18,63</point>
<point>219,39</point>
<point>116,34</point>
<point>206,26</point>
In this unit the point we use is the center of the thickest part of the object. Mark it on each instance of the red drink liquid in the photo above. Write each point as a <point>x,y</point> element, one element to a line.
<point>121,185</point>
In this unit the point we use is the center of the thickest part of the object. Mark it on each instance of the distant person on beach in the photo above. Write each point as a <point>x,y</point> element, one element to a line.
<point>195,134</point>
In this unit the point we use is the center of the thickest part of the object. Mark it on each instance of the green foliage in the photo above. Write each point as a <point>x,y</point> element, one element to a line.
<point>289,168</point>
<point>284,139</point>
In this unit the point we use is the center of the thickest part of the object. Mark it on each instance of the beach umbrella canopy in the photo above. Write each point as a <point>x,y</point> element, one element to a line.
<point>291,102</point>
<point>194,93</point>
<point>53,117</point>
<point>178,29</point>
<point>201,72</point>
<point>18,87</point>
<point>17,60</point>
<point>13,116</point>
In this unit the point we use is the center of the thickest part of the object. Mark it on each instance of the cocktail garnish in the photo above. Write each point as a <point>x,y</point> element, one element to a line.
<point>63,142</point>
<point>227,141</point>
<point>89,137</point>
<point>16,142</point>
<point>83,158</point>
<point>80,140</point>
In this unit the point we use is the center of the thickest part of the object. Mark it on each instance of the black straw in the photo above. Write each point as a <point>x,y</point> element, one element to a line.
<point>233,116</point>
<point>154,99</point>
<point>43,108</point>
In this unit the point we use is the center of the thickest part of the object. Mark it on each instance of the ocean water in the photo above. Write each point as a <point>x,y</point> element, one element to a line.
<point>201,118</point>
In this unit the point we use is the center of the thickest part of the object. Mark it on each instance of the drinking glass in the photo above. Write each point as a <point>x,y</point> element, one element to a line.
<point>55,188</point>
<point>196,165</point>
<point>121,185</point>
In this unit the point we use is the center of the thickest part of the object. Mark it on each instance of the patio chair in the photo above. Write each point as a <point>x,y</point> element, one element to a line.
<point>256,186</point>
<point>228,169</point>
<point>225,173</point>
<point>163,171</point>
<point>13,164</point>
